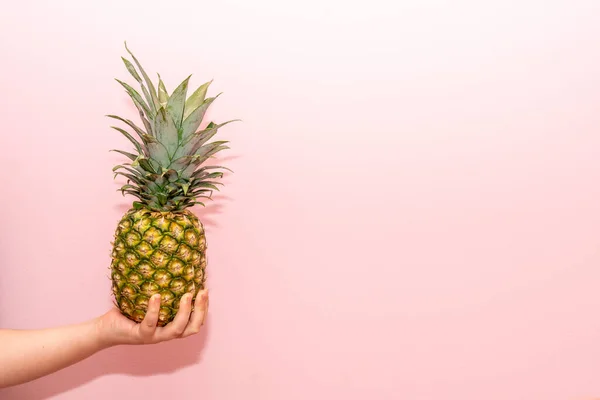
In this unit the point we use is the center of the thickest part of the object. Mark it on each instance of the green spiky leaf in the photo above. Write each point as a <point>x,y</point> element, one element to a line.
<point>196,99</point>
<point>132,70</point>
<point>162,198</point>
<point>145,120</point>
<point>138,174</point>
<point>211,148</point>
<point>212,175</point>
<point>163,95</point>
<point>135,96</point>
<point>131,156</point>
<point>136,76</point>
<point>171,175</point>
<point>137,145</point>
<point>118,167</point>
<point>166,131</point>
<point>181,163</point>
<point>147,79</point>
<point>139,182</point>
<point>199,138</point>
<point>203,170</point>
<point>176,102</point>
<point>185,187</point>
<point>145,164</point>
<point>193,121</point>
<point>210,185</point>
<point>133,126</point>
<point>158,152</point>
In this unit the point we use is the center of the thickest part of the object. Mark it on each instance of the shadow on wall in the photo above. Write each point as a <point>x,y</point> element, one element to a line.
<point>141,360</point>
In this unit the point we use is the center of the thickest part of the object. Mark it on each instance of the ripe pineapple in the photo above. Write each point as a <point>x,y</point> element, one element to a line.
<point>159,244</point>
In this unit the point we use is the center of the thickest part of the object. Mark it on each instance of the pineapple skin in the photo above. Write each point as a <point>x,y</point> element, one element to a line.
<point>157,252</point>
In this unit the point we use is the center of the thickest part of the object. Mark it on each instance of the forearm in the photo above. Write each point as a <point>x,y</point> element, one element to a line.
<point>29,354</point>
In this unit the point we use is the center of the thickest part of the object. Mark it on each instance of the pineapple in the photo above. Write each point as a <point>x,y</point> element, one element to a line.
<point>159,244</point>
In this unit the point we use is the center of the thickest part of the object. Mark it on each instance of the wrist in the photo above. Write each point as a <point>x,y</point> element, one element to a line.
<point>103,333</point>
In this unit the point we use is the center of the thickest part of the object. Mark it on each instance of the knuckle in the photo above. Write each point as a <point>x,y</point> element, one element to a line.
<point>193,330</point>
<point>178,330</point>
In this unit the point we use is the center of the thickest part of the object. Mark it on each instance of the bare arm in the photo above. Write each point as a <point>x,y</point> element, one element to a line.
<point>26,355</point>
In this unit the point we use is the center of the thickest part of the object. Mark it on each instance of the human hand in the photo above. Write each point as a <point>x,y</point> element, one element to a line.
<point>116,329</point>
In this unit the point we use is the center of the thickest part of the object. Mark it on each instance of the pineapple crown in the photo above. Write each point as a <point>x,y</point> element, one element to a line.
<point>167,172</point>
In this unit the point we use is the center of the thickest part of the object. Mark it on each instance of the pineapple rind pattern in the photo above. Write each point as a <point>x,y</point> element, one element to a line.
<point>157,252</point>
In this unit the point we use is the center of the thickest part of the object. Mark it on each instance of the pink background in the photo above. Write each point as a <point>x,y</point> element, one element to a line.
<point>414,215</point>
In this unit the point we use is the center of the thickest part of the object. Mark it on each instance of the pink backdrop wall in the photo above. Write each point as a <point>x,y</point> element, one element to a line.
<point>414,215</point>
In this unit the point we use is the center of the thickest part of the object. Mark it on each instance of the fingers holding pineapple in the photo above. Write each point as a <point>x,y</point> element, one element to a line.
<point>148,325</point>
<point>117,329</point>
<point>198,315</point>
<point>185,323</point>
<point>175,328</point>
